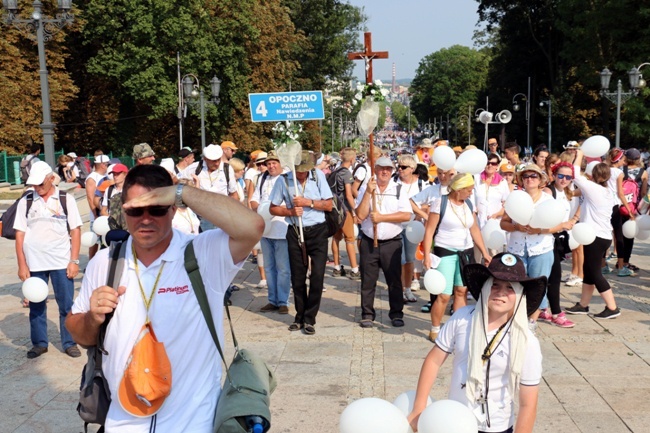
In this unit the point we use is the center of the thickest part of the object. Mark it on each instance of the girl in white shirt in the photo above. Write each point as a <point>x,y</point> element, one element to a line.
<point>596,211</point>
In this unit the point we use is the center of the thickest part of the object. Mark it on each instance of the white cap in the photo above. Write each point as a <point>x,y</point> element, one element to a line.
<point>384,162</point>
<point>212,152</point>
<point>73,155</point>
<point>38,172</point>
<point>101,158</point>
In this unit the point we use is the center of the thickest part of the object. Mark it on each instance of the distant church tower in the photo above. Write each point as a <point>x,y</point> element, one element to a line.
<point>394,84</point>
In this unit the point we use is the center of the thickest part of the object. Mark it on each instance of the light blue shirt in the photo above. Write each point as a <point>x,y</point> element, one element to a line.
<point>316,188</point>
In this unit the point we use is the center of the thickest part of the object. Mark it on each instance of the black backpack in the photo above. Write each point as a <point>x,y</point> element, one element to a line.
<point>9,216</point>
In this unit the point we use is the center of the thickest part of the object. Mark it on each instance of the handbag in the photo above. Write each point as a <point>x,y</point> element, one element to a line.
<point>245,398</point>
<point>94,394</point>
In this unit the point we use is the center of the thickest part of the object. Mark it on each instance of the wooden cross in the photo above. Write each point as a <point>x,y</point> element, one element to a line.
<point>368,56</point>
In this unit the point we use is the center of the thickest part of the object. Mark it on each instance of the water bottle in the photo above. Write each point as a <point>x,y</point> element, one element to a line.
<point>256,424</point>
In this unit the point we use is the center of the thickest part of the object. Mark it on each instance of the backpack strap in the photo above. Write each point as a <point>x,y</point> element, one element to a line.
<point>193,271</point>
<point>444,199</point>
<point>261,179</point>
<point>116,254</point>
<point>226,171</point>
<point>199,167</point>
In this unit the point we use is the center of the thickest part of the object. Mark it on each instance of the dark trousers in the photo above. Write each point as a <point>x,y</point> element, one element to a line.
<point>553,288</point>
<point>617,228</point>
<point>628,244</point>
<point>591,267</point>
<point>307,303</point>
<point>387,257</point>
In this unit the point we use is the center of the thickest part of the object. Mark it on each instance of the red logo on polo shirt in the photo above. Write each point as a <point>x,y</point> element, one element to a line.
<point>179,290</point>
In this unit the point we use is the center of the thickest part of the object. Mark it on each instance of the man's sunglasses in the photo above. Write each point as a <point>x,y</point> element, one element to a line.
<point>530,176</point>
<point>154,211</point>
<point>564,176</point>
<point>403,167</point>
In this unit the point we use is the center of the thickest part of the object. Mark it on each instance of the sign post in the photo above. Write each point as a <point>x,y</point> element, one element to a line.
<point>286,106</point>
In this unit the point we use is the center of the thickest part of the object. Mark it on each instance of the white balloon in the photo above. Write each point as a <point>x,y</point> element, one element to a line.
<point>263,210</point>
<point>414,232</point>
<point>100,226</point>
<point>434,281</point>
<point>519,206</point>
<point>595,147</point>
<point>590,167</point>
<point>35,289</point>
<point>372,415</point>
<point>471,161</point>
<point>643,235</point>
<point>490,226</point>
<point>630,229</point>
<point>583,233</point>
<point>496,241</point>
<point>88,239</point>
<point>643,222</point>
<point>547,214</point>
<point>447,416</point>
<point>444,157</point>
<point>405,401</point>
<point>573,244</point>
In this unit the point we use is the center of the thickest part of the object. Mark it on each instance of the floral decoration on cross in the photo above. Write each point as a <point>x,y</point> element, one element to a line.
<point>374,91</point>
<point>286,131</point>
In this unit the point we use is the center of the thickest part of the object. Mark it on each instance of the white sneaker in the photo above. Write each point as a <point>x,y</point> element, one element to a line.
<point>415,285</point>
<point>568,278</point>
<point>574,281</point>
<point>409,296</point>
<point>262,284</point>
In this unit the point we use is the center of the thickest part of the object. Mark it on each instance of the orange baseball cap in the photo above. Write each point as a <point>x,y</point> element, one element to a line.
<point>228,145</point>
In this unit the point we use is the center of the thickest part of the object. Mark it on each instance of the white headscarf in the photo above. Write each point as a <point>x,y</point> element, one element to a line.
<point>478,341</point>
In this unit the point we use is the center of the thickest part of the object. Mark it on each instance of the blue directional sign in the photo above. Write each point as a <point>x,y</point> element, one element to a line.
<point>276,107</point>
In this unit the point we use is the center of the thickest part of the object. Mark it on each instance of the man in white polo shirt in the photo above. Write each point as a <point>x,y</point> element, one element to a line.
<point>393,208</point>
<point>46,250</point>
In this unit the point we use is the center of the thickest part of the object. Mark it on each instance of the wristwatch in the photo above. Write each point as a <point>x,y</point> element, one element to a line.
<point>76,262</point>
<point>179,196</point>
<point>312,204</point>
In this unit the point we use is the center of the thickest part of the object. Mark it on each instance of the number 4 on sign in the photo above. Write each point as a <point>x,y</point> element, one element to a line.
<point>261,109</point>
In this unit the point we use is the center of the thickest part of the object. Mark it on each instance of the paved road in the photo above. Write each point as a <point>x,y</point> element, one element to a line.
<point>596,375</point>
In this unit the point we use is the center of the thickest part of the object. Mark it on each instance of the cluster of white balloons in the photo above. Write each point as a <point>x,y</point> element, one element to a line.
<point>374,415</point>
<point>520,208</point>
<point>471,161</point>
<point>100,228</point>
<point>35,290</point>
<point>493,237</point>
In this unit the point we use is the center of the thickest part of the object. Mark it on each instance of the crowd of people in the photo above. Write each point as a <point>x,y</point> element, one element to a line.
<point>161,208</point>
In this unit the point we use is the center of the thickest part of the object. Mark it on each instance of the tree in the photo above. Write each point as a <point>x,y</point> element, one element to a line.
<point>447,81</point>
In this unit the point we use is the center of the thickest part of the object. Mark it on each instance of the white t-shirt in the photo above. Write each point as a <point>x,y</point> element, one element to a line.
<point>428,195</point>
<point>215,181</point>
<point>489,199</point>
<point>453,231</point>
<point>518,242</point>
<point>47,241</point>
<point>454,338</point>
<point>387,203</point>
<point>251,174</point>
<point>186,221</point>
<point>612,183</point>
<point>97,178</point>
<point>278,229</point>
<point>597,206</point>
<point>178,323</point>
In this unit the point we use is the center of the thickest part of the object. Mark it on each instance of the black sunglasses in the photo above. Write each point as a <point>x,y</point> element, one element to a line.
<point>530,176</point>
<point>154,211</point>
<point>564,176</point>
<point>403,167</point>
<point>493,163</point>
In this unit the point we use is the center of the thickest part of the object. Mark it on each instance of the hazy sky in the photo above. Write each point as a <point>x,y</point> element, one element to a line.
<point>411,29</point>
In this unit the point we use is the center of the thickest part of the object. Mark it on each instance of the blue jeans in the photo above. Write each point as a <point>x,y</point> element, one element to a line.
<point>278,271</point>
<point>63,293</point>
<point>538,266</point>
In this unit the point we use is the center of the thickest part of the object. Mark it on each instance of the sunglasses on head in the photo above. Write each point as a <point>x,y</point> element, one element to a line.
<point>154,211</point>
<point>530,176</point>
<point>564,176</point>
<point>403,167</point>
<point>493,163</point>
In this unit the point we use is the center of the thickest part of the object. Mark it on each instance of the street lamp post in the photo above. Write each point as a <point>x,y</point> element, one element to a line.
<point>619,97</point>
<point>44,28</point>
<point>550,104</point>
<point>191,89</point>
<point>515,107</point>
